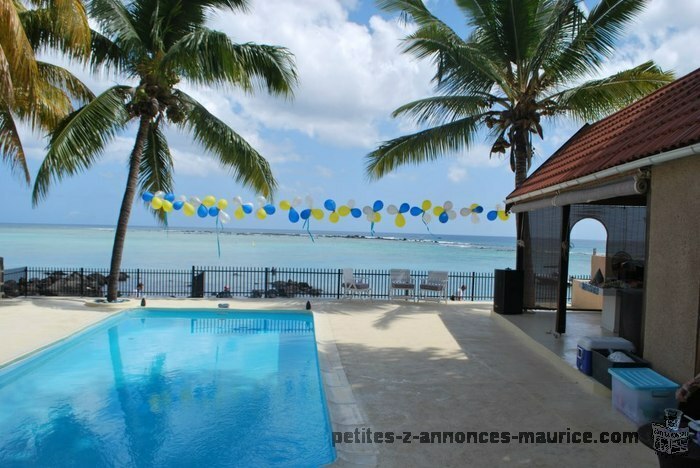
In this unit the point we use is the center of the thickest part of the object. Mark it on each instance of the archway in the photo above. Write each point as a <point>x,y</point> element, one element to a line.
<point>587,263</point>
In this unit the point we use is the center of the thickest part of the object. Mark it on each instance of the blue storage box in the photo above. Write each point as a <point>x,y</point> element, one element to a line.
<point>584,357</point>
<point>642,394</point>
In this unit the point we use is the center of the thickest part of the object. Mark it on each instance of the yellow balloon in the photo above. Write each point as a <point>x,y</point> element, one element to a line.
<point>209,201</point>
<point>156,203</point>
<point>400,220</point>
<point>222,204</point>
<point>437,211</point>
<point>239,214</point>
<point>334,217</point>
<point>503,216</point>
<point>344,210</point>
<point>167,206</point>
<point>317,213</point>
<point>188,209</point>
<point>285,205</point>
<point>261,214</point>
<point>473,205</point>
<point>426,205</point>
<point>377,217</point>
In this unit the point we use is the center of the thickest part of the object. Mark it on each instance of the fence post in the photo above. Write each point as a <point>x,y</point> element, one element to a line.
<point>26,281</point>
<point>192,283</point>
<point>473,284</point>
<point>340,279</point>
<point>267,281</point>
<point>82,282</point>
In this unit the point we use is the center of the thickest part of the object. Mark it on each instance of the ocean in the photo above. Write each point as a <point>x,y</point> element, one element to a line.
<point>151,247</point>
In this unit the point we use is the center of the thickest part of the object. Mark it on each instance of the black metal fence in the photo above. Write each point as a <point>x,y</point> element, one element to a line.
<point>223,282</point>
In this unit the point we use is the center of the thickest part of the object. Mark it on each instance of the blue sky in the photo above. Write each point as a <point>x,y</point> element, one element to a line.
<point>352,75</point>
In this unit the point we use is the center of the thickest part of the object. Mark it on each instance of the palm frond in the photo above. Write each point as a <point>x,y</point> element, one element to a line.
<point>61,25</point>
<point>11,149</point>
<point>210,57</point>
<point>423,146</point>
<point>156,168</point>
<point>80,138</point>
<point>231,150</point>
<point>438,110</point>
<point>117,23</point>
<point>106,54</point>
<point>595,99</point>
<point>65,80</point>
<point>6,87</point>
<point>16,48</point>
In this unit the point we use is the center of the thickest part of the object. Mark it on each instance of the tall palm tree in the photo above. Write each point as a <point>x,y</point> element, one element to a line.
<point>157,43</point>
<point>31,90</point>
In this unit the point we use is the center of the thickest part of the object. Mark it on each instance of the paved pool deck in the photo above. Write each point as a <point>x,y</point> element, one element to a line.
<point>407,367</point>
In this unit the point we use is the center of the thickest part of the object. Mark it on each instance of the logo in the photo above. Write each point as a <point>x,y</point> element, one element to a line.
<point>670,441</point>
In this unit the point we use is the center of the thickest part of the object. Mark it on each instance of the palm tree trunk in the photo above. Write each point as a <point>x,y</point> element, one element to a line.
<point>521,148</point>
<point>125,211</point>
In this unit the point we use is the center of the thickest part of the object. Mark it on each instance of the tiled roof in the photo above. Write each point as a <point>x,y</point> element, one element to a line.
<point>668,118</point>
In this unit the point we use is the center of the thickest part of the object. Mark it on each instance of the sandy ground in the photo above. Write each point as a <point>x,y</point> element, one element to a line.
<point>409,368</point>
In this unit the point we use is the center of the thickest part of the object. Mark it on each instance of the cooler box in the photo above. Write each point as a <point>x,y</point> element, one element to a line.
<point>584,358</point>
<point>601,364</point>
<point>642,394</point>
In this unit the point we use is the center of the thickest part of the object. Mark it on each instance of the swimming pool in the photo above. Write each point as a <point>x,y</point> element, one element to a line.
<point>164,388</point>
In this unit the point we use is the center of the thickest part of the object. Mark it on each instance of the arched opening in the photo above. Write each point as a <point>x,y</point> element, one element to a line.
<point>587,264</point>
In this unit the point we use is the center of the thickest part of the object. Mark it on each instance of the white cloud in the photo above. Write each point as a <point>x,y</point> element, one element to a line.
<point>325,172</point>
<point>456,173</point>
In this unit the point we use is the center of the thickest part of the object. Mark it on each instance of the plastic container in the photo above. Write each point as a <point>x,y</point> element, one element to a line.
<point>642,394</point>
<point>601,364</point>
<point>584,358</point>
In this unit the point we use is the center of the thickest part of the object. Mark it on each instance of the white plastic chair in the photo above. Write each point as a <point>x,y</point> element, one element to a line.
<point>401,286</point>
<point>353,286</point>
<point>434,286</point>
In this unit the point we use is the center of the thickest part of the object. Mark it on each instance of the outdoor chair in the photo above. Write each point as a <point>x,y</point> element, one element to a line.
<point>434,286</point>
<point>401,286</point>
<point>353,286</point>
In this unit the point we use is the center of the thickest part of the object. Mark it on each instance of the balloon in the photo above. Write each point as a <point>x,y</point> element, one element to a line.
<point>443,218</point>
<point>167,206</point>
<point>344,210</point>
<point>426,205</point>
<point>377,217</point>
<point>222,204</point>
<point>195,201</point>
<point>202,211</point>
<point>296,201</point>
<point>182,198</point>
<point>334,217</point>
<point>261,214</point>
<point>355,212</point>
<point>159,194</point>
<point>503,216</point>
<point>438,210</point>
<point>400,221</point>
<point>178,205</point>
<point>305,214</point>
<point>156,203</point>
<point>269,209</point>
<point>416,211</point>
<point>293,215</point>
<point>147,196</point>
<point>448,205</point>
<point>170,197</point>
<point>492,215</point>
<point>224,217</point>
<point>247,208</point>
<point>285,205</point>
<point>404,208</point>
<point>188,209</point>
<point>309,200</point>
<point>214,211</point>
<point>209,201</point>
<point>378,205</point>
<point>239,214</point>
<point>329,205</point>
<point>317,213</point>
<point>392,210</point>
<point>238,200</point>
<point>476,208</point>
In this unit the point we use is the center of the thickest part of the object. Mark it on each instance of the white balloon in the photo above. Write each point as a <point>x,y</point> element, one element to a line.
<point>261,200</point>
<point>351,203</point>
<point>309,201</point>
<point>475,218</point>
<point>296,201</point>
<point>368,210</point>
<point>448,205</point>
<point>392,210</point>
<point>195,201</point>
<point>224,217</point>
<point>182,198</point>
<point>451,214</point>
<point>238,200</point>
<point>427,217</point>
<point>159,194</point>
<point>465,211</point>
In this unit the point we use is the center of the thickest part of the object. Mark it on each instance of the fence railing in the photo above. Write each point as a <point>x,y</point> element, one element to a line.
<point>224,282</point>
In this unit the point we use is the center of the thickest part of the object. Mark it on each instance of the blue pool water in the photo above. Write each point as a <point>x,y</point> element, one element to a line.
<point>160,388</point>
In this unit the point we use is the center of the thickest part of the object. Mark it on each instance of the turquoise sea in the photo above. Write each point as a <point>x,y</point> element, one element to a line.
<point>151,247</point>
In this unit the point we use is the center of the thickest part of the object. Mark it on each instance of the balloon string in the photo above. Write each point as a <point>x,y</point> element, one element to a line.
<point>307,225</point>
<point>371,228</point>
<point>218,242</point>
<point>427,227</point>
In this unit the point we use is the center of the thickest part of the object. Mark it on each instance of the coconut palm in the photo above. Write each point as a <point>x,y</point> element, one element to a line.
<point>156,43</point>
<point>33,91</point>
<point>522,61</point>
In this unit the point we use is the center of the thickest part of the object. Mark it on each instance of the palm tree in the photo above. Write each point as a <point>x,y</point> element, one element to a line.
<point>156,43</point>
<point>31,90</point>
<point>523,60</point>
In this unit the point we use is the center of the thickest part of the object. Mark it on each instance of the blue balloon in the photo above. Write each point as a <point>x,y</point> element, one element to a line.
<point>378,205</point>
<point>247,209</point>
<point>443,217</point>
<point>478,209</point>
<point>416,211</point>
<point>170,197</point>
<point>305,214</point>
<point>356,212</point>
<point>178,205</point>
<point>404,208</point>
<point>269,209</point>
<point>213,211</point>
<point>492,215</point>
<point>293,215</point>
<point>202,211</point>
<point>329,205</point>
<point>147,196</point>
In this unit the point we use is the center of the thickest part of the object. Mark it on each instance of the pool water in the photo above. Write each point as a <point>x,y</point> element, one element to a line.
<point>159,388</point>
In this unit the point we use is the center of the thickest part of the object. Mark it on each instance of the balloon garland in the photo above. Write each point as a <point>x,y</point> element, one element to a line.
<point>211,207</point>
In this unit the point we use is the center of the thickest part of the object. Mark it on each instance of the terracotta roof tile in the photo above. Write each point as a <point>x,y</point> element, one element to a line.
<point>668,118</point>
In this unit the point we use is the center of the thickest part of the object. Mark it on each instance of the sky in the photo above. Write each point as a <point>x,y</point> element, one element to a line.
<point>352,75</point>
